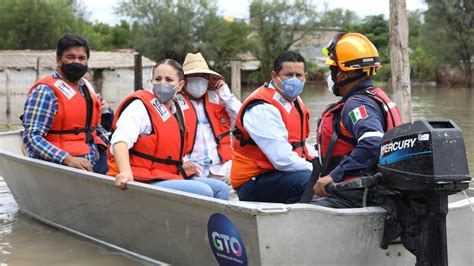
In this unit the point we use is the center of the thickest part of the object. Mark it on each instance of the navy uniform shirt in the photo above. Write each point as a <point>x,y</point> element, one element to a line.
<point>364,119</point>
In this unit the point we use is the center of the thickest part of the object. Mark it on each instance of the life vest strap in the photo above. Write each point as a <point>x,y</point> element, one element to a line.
<point>76,131</point>
<point>299,144</point>
<point>239,136</point>
<point>155,159</point>
<point>223,135</point>
<point>168,161</point>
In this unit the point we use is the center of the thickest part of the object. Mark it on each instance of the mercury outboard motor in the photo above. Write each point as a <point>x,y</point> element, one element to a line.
<point>420,164</point>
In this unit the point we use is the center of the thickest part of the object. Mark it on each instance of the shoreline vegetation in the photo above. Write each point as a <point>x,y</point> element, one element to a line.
<point>272,27</point>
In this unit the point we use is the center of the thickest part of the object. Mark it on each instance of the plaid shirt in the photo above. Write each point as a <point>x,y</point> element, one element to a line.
<point>204,153</point>
<point>40,108</point>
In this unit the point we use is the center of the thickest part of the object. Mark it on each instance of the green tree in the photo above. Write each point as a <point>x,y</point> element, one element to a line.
<point>173,28</point>
<point>36,24</point>
<point>222,41</point>
<point>339,18</point>
<point>163,28</point>
<point>104,37</point>
<point>277,25</point>
<point>449,34</point>
<point>423,66</point>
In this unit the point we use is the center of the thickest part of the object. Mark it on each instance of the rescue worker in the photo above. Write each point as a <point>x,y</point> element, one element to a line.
<point>350,131</point>
<point>149,138</point>
<point>210,110</point>
<point>271,158</point>
<point>62,112</point>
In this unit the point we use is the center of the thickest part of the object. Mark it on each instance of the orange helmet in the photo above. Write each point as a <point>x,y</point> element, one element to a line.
<point>352,51</point>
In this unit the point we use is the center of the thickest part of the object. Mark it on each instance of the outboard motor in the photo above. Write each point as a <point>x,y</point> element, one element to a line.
<point>420,164</point>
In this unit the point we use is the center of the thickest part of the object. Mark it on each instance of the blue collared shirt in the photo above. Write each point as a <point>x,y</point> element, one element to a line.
<point>39,111</point>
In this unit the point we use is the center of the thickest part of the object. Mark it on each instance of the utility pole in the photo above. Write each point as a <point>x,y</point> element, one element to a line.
<point>235,79</point>
<point>138,71</point>
<point>399,61</point>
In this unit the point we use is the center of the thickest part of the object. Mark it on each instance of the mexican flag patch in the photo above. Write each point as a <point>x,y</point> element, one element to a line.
<point>358,114</point>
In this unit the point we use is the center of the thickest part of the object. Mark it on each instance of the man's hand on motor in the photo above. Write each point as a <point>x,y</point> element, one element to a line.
<point>320,186</point>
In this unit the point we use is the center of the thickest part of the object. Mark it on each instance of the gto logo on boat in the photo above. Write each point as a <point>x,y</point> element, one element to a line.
<point>224,239</point>
<point>222,242</point>
<point>397,145</point>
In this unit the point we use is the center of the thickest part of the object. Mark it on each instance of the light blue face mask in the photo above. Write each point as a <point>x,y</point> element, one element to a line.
<point>292,87</point>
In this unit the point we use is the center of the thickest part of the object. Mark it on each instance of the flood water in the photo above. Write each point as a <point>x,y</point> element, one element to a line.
<point>24,241</point>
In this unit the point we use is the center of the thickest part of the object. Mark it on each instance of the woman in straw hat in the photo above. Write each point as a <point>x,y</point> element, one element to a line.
<point>210,110</point>
<point>148,142</point>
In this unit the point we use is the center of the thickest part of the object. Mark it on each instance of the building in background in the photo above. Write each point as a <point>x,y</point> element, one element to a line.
<point>112,76</point>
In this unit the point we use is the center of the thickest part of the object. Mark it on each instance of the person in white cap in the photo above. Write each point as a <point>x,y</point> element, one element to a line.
<point>210,110</point>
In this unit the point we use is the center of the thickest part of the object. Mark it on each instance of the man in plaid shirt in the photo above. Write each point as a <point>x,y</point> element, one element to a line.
<point>62,113</point>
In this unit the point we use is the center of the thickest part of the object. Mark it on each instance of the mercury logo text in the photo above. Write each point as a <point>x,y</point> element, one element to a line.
<point>397,145</point>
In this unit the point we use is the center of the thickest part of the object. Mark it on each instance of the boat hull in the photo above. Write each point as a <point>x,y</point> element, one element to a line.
<point>166,226</point>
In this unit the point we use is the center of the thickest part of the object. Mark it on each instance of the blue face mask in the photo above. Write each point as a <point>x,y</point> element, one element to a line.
<point>291,87</point>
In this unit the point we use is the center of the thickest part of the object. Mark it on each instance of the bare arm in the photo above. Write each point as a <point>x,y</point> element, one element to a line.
<point>122,159</point>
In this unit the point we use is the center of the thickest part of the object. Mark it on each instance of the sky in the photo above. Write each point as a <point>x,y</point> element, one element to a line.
<point>103,10</point>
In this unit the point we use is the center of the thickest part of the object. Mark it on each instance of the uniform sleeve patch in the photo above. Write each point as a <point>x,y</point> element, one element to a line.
<point>357,114</point>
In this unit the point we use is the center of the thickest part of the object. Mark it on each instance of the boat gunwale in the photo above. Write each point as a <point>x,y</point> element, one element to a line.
<point>250,208</point>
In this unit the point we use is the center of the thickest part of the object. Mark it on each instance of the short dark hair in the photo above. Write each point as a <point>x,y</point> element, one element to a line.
<point>177,66</point>
<point>71,40</point>
<point>287,56</point>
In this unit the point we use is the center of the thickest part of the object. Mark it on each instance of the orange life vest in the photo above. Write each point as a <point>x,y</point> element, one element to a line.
<point>77,117</point>
<point>159,155</point>
<point>249,160</point>
<point>345,142</point>
<point>217,117</point>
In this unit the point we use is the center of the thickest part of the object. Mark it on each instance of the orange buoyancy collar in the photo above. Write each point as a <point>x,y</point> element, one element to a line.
<point>159,155</point>
<point>76,119</point>
<point>249,160</point>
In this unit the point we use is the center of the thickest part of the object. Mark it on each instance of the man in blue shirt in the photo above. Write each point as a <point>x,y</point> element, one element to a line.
<point>62,113</point>
<point>350,131</point>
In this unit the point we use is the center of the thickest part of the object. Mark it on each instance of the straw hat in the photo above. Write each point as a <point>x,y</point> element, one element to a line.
<point>195,63</point>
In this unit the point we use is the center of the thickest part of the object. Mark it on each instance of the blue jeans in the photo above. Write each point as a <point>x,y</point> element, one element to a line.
<point>277,186</point>
<point>198,185</point>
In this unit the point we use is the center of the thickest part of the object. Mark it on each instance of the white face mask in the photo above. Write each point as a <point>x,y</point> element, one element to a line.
<point>196,86</point>
<point>330,83</point>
